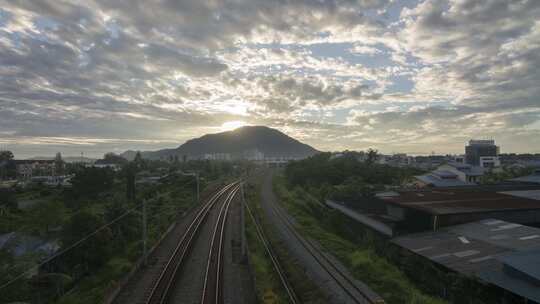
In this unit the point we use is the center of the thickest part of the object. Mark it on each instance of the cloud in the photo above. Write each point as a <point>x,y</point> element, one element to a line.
<point>335,73</point>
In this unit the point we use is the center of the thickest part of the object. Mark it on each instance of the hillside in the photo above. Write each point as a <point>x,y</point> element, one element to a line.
<point>271,142</point>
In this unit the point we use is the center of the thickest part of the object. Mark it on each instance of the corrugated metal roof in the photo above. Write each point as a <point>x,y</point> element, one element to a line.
<point>533,179</point>
<point>462,200</point>
<point>481,249</point>
<point>530,194</point>
<point>441,182</point>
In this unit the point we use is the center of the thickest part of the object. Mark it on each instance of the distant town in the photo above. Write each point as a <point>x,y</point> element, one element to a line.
<point>482,160</point>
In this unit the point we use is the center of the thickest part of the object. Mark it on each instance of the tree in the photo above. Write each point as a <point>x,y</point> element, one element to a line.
<point>139,162</point>
<point>94,251</point>
<point>372,156</point>
<point>112,158</point>
<point>7,166</point>
<point>130,170</point>
<point>46,215</point>
<point>92,181</point>
<point>6,155</point>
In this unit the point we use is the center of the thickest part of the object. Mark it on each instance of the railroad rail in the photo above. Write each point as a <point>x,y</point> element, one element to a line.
<point>293,298</point>
<point>328,265</point>
<point>213,280</point>
<point>160,290</point>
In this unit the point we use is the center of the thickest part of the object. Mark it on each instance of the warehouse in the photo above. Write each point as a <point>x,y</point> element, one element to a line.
<point>420,210</point>
<point>503,254</point>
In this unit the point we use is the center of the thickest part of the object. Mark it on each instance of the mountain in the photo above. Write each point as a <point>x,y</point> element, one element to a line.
<point>236,143</point>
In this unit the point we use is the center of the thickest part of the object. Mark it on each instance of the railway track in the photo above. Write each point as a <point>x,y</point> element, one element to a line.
<point>213,280</point>
<point>357,295</point>
<point>293,298</point>
<point>161,289</point>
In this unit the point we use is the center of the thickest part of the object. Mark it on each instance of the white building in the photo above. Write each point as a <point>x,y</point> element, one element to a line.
<point>464,172</point>
<point>490,162</point>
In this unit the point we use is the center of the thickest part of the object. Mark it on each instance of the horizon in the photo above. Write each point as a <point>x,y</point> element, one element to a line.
<point>98,156</point>
<point>411,77</point>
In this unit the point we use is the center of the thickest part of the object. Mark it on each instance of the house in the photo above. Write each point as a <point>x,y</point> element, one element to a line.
<point>464,172</point>
<point>440,178</point>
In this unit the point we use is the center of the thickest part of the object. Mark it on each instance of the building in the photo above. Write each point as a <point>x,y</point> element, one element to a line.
<point>431,209</point>
<point>489,162</point>
<point>464,172</point>
<point>528,179</point>
<point>492,251</point>
<point>253,155</point>
<point>440,178</point>
<point>218,156</point>
<point>28,168</point>
<point>479,148</point>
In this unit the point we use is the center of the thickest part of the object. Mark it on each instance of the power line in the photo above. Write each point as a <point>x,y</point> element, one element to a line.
<point>52,257</point>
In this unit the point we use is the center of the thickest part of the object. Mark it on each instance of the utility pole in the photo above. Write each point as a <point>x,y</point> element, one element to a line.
<point>144,233</point>
<point>243,222</point>
<point>198,190</point>
<point>196,175</point>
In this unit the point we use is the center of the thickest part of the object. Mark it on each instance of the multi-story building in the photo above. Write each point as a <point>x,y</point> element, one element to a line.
<point>480,148</point>
<point>26,169</point>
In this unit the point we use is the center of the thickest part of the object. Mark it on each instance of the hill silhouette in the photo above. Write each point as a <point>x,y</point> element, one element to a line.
<point>237,143</point>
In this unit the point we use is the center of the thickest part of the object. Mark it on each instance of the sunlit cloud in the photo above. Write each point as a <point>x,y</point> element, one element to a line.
<point>336,74</point>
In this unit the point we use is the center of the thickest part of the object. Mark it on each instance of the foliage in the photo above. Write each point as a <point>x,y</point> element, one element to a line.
<point>46,215</point>
<point>328,228</point>
<point>92,181</point>
<point>266,277</point>
<point>112,158</point>
<point>94,251</point>
<point>7,165</point>
<point>347,177</point>
<point>6,155</point>
<point>8,198</point>
<point>493,177</point>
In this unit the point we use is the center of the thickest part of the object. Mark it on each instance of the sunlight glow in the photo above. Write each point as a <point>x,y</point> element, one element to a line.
<point>231,125</point>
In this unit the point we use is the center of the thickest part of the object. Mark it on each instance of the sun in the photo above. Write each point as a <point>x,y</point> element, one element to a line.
<point>231,125</point>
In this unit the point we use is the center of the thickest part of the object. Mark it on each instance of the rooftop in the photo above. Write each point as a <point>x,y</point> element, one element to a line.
<point>468,199</point>
<point>529,179</point>
<point>442,178</point>
<point>501,253</point>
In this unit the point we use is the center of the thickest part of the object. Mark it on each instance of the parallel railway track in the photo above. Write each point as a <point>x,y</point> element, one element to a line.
<point>293,298</point>
<point>160,290</point>
<point>358,295</point>
<point>213,280</point>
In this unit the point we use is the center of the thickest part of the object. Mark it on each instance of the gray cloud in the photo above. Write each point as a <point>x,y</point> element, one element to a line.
<point>147,69</point>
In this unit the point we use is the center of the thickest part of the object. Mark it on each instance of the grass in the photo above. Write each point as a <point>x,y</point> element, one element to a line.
<point>382,276</point>
<point>265,276</point>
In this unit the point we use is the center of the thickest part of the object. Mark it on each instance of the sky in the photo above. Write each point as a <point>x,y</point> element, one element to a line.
<point>409,76</point>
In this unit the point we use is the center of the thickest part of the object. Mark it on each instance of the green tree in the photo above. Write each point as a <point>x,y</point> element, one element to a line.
<point>112,158</point>
<point>45,216</point>
<point>6,155</point>
<point>95,250</point>
<point>372,156</point>
<point>129,172</point>
<point>92,181</point>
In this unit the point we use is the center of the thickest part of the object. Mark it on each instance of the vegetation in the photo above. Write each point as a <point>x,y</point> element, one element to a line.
<point>350,177</point>
<point>493,177</point>
<point>327,227</point>
<point>265,276</point>
<point>86,211</point>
